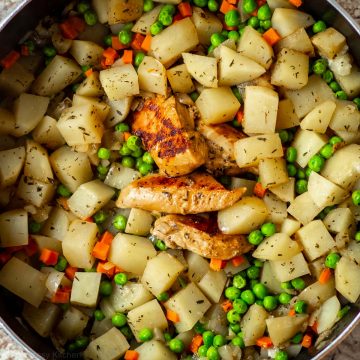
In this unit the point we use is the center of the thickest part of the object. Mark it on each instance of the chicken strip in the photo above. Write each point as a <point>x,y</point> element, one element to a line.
<point>199,235</point>
<point>167,131</point>
<point>192,194</point>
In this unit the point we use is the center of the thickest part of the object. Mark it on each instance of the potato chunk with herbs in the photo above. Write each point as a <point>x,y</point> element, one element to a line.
<point>14,228</point>
<point>329,43</point>
<point>124,11</point>
<point>85,289</point>
<point>346,279</point>
<point>11,164</point>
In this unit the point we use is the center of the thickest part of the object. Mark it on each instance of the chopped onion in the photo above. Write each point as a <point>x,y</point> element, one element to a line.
<point>53,280</point>
<point>100,327</point>
<point>230,352</point>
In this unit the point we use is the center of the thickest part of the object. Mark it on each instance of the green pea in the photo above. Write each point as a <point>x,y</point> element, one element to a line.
<point>105,288</point>
<point>286,285</point>
<point>34,227</point>
<point>268,229</point>
<point>254,22</point>
<point>202,351</point>
<point>308,171</point>
<point>139,57</point>
<point>258,263</point>
<point>328,76</point>
<point>291,169</point>
<point>281,355</point>
<point>100,217</point>
<point>234,35</point>
<point>357,102</point>
<point>270,303</point>
<point>102,170</point>
<point>265,24</point>
<point>126,331</point>
<point>341,95</point>
<point>239,281</point>
<point>357,236</point>
<point>72,347</point>
<point>255,237</point>
<point>235,328</point>
<point>156,28</point>
<point>316,163</point>
<point>119,222</point>
<point>133,142</point>
<point>240,306</point>
<point>233,316</point>
<point>253,272</point>
<point>165,18</point>
<point>284,136</point>
<point>49,51</point>
<point>219,340</point>
<point>194,96</point>
<point>249,6</point>
<point>297,338</point>
<point>355,196</point>
<point>300,174</point>
<point>138,162</point>
<point>164,296</point>
<point>90,17</point>
<point>122,127</point>
<point>342,312</point>
<point>119,319</point>
<point>148,5</point>
<point>327,151</point>
<point>301,186</point>
<point>260,291</point>
<point>298,283</point>
<point>319,26</point>
<point>232,18</point>
<point>232,293</point>
<point>176,346</point>
<point>284,298</point>
<point>300,307</point>
<point>125,150</point>
<point>200,3</point>
<point>334,86</point>
<point>216,39</point>
<point>167,337</point>
<point>213,5</point>
<point>145,334</point>
<point>160,245</point>
<point>61,263</point>
<point>319,66</point>
<point>264,12</point>
<point>331,260</point>
<point>253,282</point>
<point>237,94</point>
<point>238,341</point>
<point>99,315</point>
<point>83,6</point>
<point>248,296</point>
<point>212,353</point>
<point>108,40</point>
<point>104,153</point>
<point>335,140</point>
<point>120,279</point>
<point>291,154</point>
<point>145,169</point>
<point>241,31</point>
<point>62,190</point>
<point>225,33</point>
<point>208,338</point>
<point>128,161</point>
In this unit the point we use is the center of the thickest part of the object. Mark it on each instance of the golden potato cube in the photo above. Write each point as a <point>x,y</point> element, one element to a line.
<point>144,22</point>
<point>57,224</point>
<point>47,133</point>
<point>287,270</point>
<point>124,11</point>
<point>86,53</point>
<point>299,41</point>
<point>346,117</point>
<point>152,76</point>
<point>276,207</point>
<point>206,24</point>
<point>319,118</point>
<point>253,324</point>
<point>7,122</point>
<point>339,220</point>
<point>85,289</point>
<point>139,222</point>
<point>180,79</point>
<point>290,226</point>
<point>11,164</point>
<point>71,325</point>
<point>119,110</point>
<point>350,83</point>
<point>46,242</point>
<point>155,349</point>
<point>15,80</point>
<point>346,279</point>
<point>272,172</point>
<point>91,86</point>
<point>119,176</point>
<point>329,42</point>
<point>213,284</point>
<point>14,228</point>
<point>285,191</point>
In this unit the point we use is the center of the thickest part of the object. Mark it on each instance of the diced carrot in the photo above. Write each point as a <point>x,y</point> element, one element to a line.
<point>70,272</point>
<point>177,18</point>
<point>172,316</point>
<point>254,13</point>
<point>116,44</point>
<point>110,55</point>
<point>89,219</point>
<point>229,28</point>
<point>88,72</point>
<point>49,257</point>
<point>226,7</point>
<point>77,23</point>
<point>185,9</point>
<point>65,288</point>
<point>107,237</point>
<point>62,201</point>
<point>118,269</point>
<point>296,3</point>
<point>10,59</point>
<point>146,44</point>
<point>196,342</point>
<point>106,268</point>
<point>238,260</point>
<point>68,31</point>
<point>292,312</point>
<point>14,249</point>
<point>325,276</point>
<point>264,342</point>
<point>314,327</point>
<point>101,250</point>
<point>126,135</point>
<point>137,41</point>
<point>306,341</point>
<point>60,297</point>
<point>217,264</point>
<point>271,36</point>
<point>131,355</point>
<point>127,57</point>
<point>261,2</point>
<point>233,2</point>
<point>25,50</point>
<point>31,248</point>
<point>240,116</point>
<point>227,305</point>
<point>259,191</point>
<point>4,257</point>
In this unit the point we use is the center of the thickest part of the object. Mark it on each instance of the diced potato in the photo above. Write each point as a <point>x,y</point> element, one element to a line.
<point>139,222</point>
<point>277,247</point>
<point>89,198</point>
<point>119,110</point>
<point>15,80</point>
<point>235,68</point>
<point>46,242</point>
<point>206,24</point>
<point>60,43</point>
<point>316,267</point>
<point>272,172</point>
<point>7,122</point>
<point>47,133</point>
<point>71,168</point>
<point>79,242</point>
<point>352,251</point>
<point>190,304</point>
<point>11,164</point>
<point>291,69</point>
<point>290,226</point>
<point>179,37</point>
<point>14,228</point>
<point>101,9</point>
<point>323,192</point>
<point>120,81</point>
<point>230,269</point>
<point>154,349</point>
<point>60,73</point>
<point>152,76</point>
<point>280,4</point>
<point>286,270</point>
<point>149,315</point>
<point>197,266</point>
<point>101,107</point>
<point>144,22</point>
<point>180,79</point>
<point>54,280</point>
<point>260,110</point>
<point>71,325</point>
<point>119,176</point>
<point>86,53</point>
<point>57,224</point>
<point>286,115</point>
<point>91,86</point>
<point>213,284</point>
<point>229,43</point>
<point>269,280</point>
<point>315,239</point>
<point>329,43</point>
<point>319,118</point>
<point>129,296</point>
<point>24,281</point>
<point>299,41</point>
<point>43,318</point>
<point>282,329</point>
<point>246,215</point>
<point>342,168</point>
<point>249,151</point>
<point>339,220</point>
<point>307,143</point>
<point>277,208</point>
<point>346,279</point>
<point>161,272</point>
<point>346,117</point>
<point>80,125</point>
<point>253,324</point>
<point>307,98</point>
<point>303,208</point>
<point>287,21</point>
<point>285,191</point>
<point>85,289</point>
<point>255,47</point>
<point>124,11</point>
<point>28,110</point>
<point>328,315</point>
<point>350,83</point>
<point>131,252</point>
<point>218,105</point>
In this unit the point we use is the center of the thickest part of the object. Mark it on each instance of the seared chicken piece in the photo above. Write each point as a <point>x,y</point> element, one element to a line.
<point>199,235</point>
<point>167,131</point>
<point>192,194</point>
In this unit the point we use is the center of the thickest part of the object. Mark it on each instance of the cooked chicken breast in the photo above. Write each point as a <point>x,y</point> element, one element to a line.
<point>192,194</point>
<point>167,131</point>
<point>200,235</point>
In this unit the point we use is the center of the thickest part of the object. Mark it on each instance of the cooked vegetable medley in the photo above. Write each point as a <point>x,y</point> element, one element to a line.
<point>181,179</point>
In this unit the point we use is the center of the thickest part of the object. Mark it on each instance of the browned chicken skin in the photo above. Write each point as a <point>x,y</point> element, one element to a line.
<point>167,131</point>
<point>191,194</point>
<point>199,235</point>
